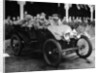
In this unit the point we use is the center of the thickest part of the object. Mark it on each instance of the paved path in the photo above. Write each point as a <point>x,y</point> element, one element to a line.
<point>36,62</point>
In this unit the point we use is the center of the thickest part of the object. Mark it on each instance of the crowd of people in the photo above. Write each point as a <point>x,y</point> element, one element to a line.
<point>41,21</point>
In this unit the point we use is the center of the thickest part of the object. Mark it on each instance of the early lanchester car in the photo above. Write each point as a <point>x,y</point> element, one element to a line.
<point>53,41</point>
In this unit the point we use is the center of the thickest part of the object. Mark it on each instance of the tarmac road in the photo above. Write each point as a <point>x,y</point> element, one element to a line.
<point>35,62</point>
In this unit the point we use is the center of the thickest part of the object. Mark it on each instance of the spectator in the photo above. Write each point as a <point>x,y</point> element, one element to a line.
<point>64,20</point>
<point>36,22</point>
<point>18,18</point>
<point>43,21</point>
<point>69,20</point>
<point>27,20</point>
<point>56,19</point>
<point>8,21</point>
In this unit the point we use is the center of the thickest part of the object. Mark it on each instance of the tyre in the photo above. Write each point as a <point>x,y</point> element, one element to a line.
<point>84,47</point>
<point>52,52</point>
<point>16,44</point>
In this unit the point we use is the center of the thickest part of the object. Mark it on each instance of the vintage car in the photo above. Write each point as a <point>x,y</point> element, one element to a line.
<point>54,41</point>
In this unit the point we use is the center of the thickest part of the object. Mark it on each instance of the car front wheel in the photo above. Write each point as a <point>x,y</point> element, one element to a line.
<point>84,47</point>
<point>52,52</point>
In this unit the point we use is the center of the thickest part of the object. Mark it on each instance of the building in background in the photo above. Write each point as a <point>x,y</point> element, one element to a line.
<point>16,9</point>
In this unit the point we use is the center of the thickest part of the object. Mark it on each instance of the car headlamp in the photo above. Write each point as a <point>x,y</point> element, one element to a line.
<point>73,33</point>
<point>67,36</point>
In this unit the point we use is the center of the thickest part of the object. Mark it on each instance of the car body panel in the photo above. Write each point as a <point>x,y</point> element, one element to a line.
<point>59,30</point>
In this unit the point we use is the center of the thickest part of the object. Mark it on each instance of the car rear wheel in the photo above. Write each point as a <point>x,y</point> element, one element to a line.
<point>84,47</point>
<point>52,52</point>
<point>16,44</point>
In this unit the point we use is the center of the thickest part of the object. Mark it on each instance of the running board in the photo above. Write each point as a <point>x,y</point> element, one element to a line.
<point>69,49</point>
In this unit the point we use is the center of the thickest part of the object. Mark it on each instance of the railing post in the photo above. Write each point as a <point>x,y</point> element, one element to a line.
<point>21,4</point>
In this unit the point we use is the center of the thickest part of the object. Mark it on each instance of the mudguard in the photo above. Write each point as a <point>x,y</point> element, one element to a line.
<point>23,35</point>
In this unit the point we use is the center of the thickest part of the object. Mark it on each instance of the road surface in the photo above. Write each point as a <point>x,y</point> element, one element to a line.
<point>35,62</point>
